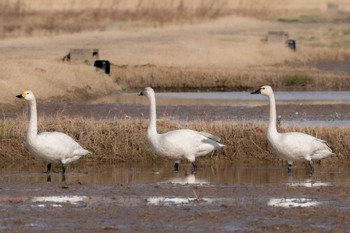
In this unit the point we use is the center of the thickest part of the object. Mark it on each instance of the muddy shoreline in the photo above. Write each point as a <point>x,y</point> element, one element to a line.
<point>247,203</point>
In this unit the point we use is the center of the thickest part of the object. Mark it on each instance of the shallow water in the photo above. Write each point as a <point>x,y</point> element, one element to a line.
<point>230,98</point>
<point>152,198</point>
<point>215,174</point>
<point>303,103</point>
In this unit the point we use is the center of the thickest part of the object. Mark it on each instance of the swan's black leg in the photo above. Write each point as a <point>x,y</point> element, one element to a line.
<point>176,166</point>
<point>63,178</point>
<point>48,179</point>
<point>63,169</point>
<point>290,165</point>
<point>48,171</point>
<point>194,166</point>
<point>63,172</point>
<point>311,168</point>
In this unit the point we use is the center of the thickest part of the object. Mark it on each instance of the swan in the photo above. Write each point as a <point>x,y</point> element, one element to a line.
<point>51,147</point>
<point>293,146</point>
<point>177,144</point>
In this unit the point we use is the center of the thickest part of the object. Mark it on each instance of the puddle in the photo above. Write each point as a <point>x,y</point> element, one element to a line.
<point>292,202</point>
<point>170,200</point>
<point>309,184</point>
<point>60,199</point>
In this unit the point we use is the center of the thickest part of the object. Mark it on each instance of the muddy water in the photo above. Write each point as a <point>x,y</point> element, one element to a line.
<point>294,108</point>
<point>215,174</point>
<point>152,198</point>
<point>230,98</point>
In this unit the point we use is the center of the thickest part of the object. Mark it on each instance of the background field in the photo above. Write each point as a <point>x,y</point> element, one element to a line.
<point>170,45</point>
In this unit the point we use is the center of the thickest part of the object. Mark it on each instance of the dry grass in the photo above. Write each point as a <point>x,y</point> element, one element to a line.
<point>28,18</point>
<point>124,140</point>
<point>23,20</point>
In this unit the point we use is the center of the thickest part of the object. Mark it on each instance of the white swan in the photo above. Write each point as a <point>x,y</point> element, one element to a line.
<point>51,147</point>
<point>177,144</point>
<point>292,146</point>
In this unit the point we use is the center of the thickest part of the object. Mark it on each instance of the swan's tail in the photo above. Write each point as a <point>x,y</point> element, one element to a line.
<point>210,136</point>
<point>82,152</point>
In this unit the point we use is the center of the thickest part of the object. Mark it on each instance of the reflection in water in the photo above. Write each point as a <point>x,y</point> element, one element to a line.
<point>308,184</point>
<point>292,202</point>
<point>189,179</point>
<point>169,201</point>
<point>57,201</point>
<point>224,173</point>
<point>181,201</point>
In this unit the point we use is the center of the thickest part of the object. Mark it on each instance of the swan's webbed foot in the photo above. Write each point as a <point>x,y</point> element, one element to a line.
<point>194,167</point>
<point>176,166</point>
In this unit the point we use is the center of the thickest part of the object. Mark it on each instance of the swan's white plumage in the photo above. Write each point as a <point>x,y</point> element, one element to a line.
<point>55,147</point>
<point>49,146</point>
<point>178,144</point>
<point>293,146</point>
<point>299,146</point>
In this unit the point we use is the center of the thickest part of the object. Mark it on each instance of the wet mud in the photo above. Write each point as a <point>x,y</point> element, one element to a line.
<point>152,198</point>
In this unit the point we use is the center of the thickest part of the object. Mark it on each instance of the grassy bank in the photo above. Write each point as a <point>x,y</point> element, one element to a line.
<point>187,79</point>
<point>124,140</point>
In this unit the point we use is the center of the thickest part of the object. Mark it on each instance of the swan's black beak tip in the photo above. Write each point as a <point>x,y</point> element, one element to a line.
<point>19,96</point>
<point>140,94</point>
<point>256,92</point>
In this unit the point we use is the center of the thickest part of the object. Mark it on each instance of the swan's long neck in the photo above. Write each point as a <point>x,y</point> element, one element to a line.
<point>33,120</point>
<point>273,121</point>
<point>152,126</point>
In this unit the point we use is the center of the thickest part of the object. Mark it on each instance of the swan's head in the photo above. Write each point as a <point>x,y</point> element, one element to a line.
<point>148,91</point>
<point>264,90</point>
<point>27,95</point>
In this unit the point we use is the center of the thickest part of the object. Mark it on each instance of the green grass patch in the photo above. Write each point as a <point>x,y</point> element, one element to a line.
<point>296,80</point>
<point>289,19</point>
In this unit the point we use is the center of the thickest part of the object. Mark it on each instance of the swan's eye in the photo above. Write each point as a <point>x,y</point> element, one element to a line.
<point>27,93</point>
<point>263,88</point>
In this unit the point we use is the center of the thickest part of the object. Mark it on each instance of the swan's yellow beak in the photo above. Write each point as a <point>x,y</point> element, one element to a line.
<point>21,96</point>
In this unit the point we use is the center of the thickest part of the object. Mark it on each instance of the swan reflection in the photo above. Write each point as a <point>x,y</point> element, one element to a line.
<point>187,179</point>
